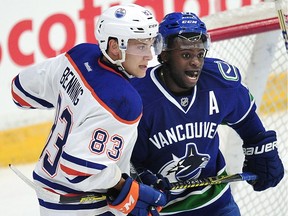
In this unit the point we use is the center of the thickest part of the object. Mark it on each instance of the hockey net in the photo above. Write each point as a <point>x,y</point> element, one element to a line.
<point>250,38</point>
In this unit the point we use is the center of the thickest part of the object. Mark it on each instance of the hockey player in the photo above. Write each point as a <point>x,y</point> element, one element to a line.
<point>97,113</point>
<point>185,99</point>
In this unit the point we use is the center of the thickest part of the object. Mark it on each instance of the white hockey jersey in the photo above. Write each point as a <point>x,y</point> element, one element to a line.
<point>95,127</point>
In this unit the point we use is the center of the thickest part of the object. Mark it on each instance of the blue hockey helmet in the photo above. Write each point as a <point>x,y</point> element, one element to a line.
<point>184,24</point>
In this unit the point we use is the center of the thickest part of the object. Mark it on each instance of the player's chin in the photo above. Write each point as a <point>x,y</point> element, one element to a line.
<point>141,71</point>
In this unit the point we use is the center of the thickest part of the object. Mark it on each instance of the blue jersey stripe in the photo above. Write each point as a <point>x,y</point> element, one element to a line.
<point>38,100</point>
<point>82,162</point>
<point>54,186</point>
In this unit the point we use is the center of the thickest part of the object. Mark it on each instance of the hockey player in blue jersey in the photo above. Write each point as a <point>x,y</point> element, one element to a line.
<point>185,99</point>
<point>97,114</point>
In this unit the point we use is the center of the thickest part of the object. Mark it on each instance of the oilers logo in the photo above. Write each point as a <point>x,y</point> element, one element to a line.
<point>120,12</point>
<point>187,167</point>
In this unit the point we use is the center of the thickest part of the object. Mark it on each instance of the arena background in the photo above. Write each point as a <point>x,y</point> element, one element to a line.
<point>31,31</point>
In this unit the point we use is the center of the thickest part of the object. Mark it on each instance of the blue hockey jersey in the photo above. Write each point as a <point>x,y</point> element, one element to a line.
<point>177,135</point>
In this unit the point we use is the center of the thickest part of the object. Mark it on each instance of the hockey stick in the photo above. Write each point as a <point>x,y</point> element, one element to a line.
<point>91,197</point>
<point>282,22</point>
<point>82,198</point>
<point>246,176</point>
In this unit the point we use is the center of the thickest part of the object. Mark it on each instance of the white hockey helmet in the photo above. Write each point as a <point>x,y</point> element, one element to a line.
<point>124,22</point>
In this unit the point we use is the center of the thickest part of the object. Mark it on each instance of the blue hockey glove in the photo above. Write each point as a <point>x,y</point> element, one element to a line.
<point>136,198</point>
<point>262,159</point>
<point>157,181</point>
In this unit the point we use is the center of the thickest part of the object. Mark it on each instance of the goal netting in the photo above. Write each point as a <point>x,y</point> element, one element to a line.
<point>250,38</point>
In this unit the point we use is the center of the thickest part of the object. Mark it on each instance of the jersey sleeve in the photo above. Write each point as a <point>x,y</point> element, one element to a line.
<point>243,117</point>
<point>32,87</point>
<point>250,125</point>
<point>241,102</point>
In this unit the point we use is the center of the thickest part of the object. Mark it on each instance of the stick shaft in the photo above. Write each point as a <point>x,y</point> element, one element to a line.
<point>214,180</point>
<point>282,22</point>
<point>83,198</point>
<point>92,197</point>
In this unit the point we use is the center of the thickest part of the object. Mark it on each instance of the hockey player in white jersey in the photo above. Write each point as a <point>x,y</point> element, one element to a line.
<point>185,98</point>
<point>97,114</point>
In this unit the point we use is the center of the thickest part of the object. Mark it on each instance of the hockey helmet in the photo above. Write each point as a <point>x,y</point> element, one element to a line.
<point>124,22</point>
<point>186,25</point>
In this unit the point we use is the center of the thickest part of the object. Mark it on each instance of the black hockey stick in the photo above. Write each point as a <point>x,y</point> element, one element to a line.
<point>91,197</point>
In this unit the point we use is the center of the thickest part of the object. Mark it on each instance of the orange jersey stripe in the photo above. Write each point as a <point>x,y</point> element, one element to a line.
<point>95,95</point>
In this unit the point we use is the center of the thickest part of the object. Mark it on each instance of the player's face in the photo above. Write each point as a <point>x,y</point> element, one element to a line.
<point>138,54</point>
<point>185,61</point>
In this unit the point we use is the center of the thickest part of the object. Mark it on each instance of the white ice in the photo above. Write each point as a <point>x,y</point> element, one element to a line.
<point>16,197</point>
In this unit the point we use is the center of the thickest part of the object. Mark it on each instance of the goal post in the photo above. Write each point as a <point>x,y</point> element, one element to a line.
<point>251,39</point>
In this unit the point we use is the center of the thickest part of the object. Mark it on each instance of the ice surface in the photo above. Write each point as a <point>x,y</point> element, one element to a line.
<point>16,197</point>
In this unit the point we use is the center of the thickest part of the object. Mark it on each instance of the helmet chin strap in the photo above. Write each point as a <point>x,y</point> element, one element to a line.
<point>118,62</point>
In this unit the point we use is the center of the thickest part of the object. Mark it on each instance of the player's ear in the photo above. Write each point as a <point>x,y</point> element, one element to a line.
<point>164,56</point>
<point>113,47</point>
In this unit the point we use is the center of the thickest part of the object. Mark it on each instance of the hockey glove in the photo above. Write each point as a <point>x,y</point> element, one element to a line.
<point>157,181</point>
<point>136,198</point>
<point>262,159</point>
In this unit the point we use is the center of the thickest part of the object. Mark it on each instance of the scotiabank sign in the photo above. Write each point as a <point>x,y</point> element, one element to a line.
<point>78,20</point>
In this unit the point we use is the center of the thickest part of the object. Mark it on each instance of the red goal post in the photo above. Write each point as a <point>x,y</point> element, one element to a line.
<point>251,39</point>
<point>243,29</point>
